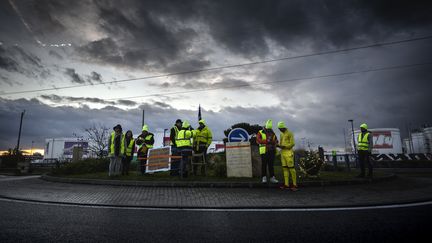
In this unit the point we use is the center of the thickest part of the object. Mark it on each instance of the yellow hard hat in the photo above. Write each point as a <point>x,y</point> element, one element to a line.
<point>364,125</point>
<point>281,124</point>
<point>269,124</point>
<point>185,124</point>
<point>202,121</point>
<point>145,128</point>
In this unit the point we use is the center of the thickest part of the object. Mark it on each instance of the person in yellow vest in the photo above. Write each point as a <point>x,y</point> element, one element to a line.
<point>267,142</point>
<point>130,150</point>
<point>364,146</point>
<point>173,135</point>
<point>202,140</point>
<point>184,145</point>
<point>144,142</point>
<point>116,150</point>
<point>287,157</point>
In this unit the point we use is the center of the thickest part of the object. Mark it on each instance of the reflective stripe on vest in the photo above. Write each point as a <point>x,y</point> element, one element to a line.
<point>363,143</point>
<point>202,136</point>
<point>122,141</point>
<point>184,138</point>
<point>129,148</point>
<point>262,147</point>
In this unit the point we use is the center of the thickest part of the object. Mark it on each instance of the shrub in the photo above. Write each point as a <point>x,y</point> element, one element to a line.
<point>83,167</point>
<point>217,165</point>
<point>310,164</point>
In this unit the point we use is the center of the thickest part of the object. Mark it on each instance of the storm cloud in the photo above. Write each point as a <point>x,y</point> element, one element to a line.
<point>195,49</point>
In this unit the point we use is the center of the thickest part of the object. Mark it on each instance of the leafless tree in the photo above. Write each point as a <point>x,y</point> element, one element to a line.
<point>98,138</point>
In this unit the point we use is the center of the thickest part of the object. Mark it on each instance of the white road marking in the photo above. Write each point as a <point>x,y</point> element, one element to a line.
<point>15,178</point>
<point>323,209</point>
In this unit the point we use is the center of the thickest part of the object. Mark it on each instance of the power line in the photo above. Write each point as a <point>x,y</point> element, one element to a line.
<point>267,83</point>
<point>227,66</point>
<point>280,81</point>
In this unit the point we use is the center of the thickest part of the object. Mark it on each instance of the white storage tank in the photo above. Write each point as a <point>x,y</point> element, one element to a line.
<point>385,140</point>
<point>418,142</point>
<point>407,145</point>
<point>427,133</point>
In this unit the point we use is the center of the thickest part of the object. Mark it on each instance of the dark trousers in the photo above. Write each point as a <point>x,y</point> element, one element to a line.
<point>126,161</point>
<point>364,159</point>
<point>267,160</point>
<point>175,163</point>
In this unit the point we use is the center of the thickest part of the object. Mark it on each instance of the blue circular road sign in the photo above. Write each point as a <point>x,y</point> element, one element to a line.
<point>238,135</point>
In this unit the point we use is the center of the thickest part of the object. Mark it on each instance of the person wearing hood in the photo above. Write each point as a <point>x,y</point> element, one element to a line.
<point>130,150</point>
<point>144,142</point>
<point>116,150</point>
<point>267,142</point>
<point>202,139</point>
<point>287,157</point>
<point>365,145</point>
<point>184,145</point>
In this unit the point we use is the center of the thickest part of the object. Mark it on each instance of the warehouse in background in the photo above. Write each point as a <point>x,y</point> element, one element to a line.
<point>419,142</point>
<point>64,149</point>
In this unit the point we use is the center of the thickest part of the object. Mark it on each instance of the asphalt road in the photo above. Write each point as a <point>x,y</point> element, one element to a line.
<point>32,222</point>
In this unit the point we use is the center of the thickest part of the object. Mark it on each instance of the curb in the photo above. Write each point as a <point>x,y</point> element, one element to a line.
<point>210,184</point>
<point>256,207</point>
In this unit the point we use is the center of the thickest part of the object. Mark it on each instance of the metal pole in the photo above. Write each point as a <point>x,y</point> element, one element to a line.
<point>19,133</point>
<point>31,151</point>
<point>142,119</point>
<point>354,145</point>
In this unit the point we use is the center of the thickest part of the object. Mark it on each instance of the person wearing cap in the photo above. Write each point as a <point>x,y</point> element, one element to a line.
<point>287,157</point>
<point>144,142</point>
<point>365,145</point>
<point>116,150</point>
<point>129,152</point>
<point>173,135</point>
<point>184,145</point>
<point>202,140</point>
<point>267,142</point>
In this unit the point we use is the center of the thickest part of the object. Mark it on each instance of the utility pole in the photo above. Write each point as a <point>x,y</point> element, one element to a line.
<point>19,133</point>
<point>354,145</point>
<point>142,119</point>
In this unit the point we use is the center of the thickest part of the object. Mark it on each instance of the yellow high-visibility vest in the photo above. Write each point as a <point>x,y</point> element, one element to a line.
<point>184,138</point>
<point>129,148</point>
<point>122,141</point>
<point>363,142</point>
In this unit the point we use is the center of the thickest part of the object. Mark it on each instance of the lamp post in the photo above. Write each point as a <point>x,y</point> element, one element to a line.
<point>354,145</point>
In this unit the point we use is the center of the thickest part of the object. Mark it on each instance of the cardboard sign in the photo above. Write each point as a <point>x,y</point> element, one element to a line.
<point>158,159</point>
<point>238,159</point>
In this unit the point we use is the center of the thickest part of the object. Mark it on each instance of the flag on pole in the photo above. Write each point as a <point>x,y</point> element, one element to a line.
<point>199,112</point>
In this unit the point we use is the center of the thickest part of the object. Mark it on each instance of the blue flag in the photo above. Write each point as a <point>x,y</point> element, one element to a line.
<point>199,112</point>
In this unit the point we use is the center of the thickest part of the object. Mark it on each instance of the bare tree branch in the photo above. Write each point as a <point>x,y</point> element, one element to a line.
<point>98,136</point>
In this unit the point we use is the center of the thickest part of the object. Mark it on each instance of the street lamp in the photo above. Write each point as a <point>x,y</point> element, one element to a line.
<point>354,145</point>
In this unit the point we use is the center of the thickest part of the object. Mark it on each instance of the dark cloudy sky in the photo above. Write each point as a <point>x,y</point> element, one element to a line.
<point>48,45</point>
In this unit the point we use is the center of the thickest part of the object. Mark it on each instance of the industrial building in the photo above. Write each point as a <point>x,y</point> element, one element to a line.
<point>419,142</point>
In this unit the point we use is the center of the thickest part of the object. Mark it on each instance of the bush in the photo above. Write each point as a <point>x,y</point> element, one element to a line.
<point>217,165</point>
<point>83,167</point>
<point>11,161</point>
<point>310,164</point>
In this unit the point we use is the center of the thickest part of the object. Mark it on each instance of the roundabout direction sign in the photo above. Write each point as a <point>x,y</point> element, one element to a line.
<point>238,135</point>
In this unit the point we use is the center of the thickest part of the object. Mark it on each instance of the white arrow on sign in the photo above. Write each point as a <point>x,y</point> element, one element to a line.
<point>242,138</point>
